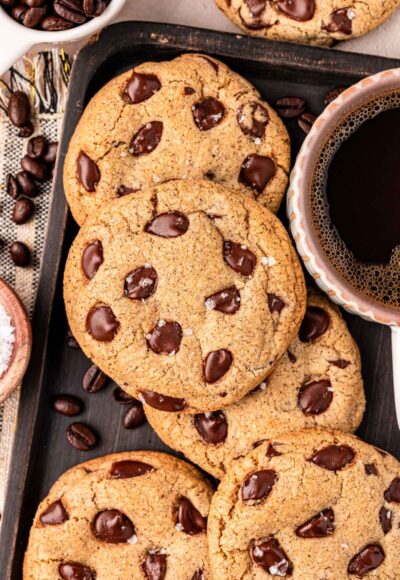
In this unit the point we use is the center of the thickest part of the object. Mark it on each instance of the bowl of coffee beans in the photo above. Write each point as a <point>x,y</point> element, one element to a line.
<point>24,23</point>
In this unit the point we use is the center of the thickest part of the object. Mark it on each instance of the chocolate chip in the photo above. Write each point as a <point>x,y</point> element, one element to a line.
<point>189,519</point>
<point>162,402</point>
<point>272,452</point>
<point>340,21</point>
<point>171,224</point>
<point>81,437</point>
<point>212,64</point>
<point>20,254</point>
<point>155,565</point>
<point>129,468</point>
<point>122,397</point>
<point>300,10</point>
<point>332,95</point>
<point>239,258</point>
<point>140,87</point>
<point>271,557</point>
<point>37,146</point>
<point>290,107</point>
<point>94,379</point>
<point>393,491</point>
<point>188,91</point>
<point>88,172</point>
<point>54,515</point>
<point>340,363</point>
<point>102,324</point>
<point>125,190</point>
<point>23,210</point>
<point>165,337</point>
<point>19,109</point>
<point>146,139</point>
<point>314,325</point>
<point>113,527</point>
<point>213,427</point>
<point>320,526</point>
<point>256,172</point>
<point>208,113</point>
<point>76,571</point>
<point>333,457</point>
<point>370,558</point>
<point>292,357</point>
<point>67,405</point>
<point>370,469</point>
<point>34,167</point>
<point>134,416</point>
<point>50,154</point>
<point>226,301</point>
<point>26,184</point>
<point>258,485</point>
<point>198,575</point>
<point>256,7</point>
<point>92,258</point>
<point>385,518</point>
<point>141,283</point>
<point>275,304</point>
<point>306,121</point>
<point>12,186</point>
<point>253,119</point>
<point>315,397</point>
<point>217,363</point>
<point>71,340</point>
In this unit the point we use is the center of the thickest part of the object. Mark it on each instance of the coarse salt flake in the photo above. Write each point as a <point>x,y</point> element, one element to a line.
<point>7,339</point>
<point>268,261</point>
<point>210,304</point>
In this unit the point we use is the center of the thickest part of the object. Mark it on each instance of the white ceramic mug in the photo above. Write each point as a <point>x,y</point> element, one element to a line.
<point>299,213</point>
<point>16,39</point>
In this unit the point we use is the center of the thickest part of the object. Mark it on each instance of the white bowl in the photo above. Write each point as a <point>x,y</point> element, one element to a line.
<point>16,39</point>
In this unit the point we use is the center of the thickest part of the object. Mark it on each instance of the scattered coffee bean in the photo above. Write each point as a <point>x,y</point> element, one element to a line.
<point>55,24</point>
<point>134,416</point>
<point>94,380</point>
<point>71,340</point>
<point>50,154</point>
<point>289,107</point>
<point>35,167</point>
<point>36,147</point>
<point>81,437</point>
<point>26,131</point>
<point>26,184</point>
<point>33,16</point>
<point>20,254</point>
<point>23,210</point>
<point>19,109</point>
<point>67,405</point>
<point>12,187</point>
<point>122,397</point>
<point>306,121</point>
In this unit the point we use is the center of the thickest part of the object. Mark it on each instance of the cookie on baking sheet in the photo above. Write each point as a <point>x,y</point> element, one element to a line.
<point>129,515</point>
<point>309,505</point>
<point>320,22</point>
<point>186,295</point>
<point>316,383</point>
<point>188,118</point>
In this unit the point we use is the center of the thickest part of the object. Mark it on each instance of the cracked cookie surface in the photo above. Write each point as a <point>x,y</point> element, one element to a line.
<point>188,118</point>
<point>317,382</point>
<point>129,515</point>
<point>310,504</point>
<point>320,22</point>
<point>169,292</point>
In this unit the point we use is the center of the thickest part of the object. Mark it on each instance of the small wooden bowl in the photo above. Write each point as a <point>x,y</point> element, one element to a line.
<point>12,377</point>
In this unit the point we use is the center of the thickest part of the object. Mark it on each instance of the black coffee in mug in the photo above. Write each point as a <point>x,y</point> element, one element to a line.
<point>355,199</point>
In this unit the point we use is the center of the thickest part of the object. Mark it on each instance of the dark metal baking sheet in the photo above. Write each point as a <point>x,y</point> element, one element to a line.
<point>41,452</point>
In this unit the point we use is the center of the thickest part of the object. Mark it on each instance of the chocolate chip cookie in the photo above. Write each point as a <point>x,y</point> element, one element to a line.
<point>173,293</point>
<point>129,515</point>
<point>308,505</point>
<point>188,118</point>
<point>316,383</point>
<point>320,22</point>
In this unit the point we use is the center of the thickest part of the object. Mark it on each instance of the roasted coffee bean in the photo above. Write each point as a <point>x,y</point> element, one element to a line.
<point>134,416</point>
<point>81,437</point>
<point>89,7</point>
<point>34,16</point>
<point>64,9</point>
<point>36,168</point>
<point>34,3</point>
<point>289,107</point>
<point>54,15</point>
<point>19,109</point>
<point>50,154</point>
<point>12,186</point>
<point>67,405</point>
<point>306,121</point>
<point>26,131</point>
<point>122,397</point>
<point>7,3</point>
<point>37,147</point>
<point>18,13</point>
<point>55,23</point>
<point>101,5</point>
<point>94,379</point>
<point>20,254</point>
<point>27,185</point>
<point>23,210</point>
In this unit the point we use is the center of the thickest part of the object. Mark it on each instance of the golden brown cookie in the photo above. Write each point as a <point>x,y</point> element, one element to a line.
<point>317,382</point>
<point>320,22</point>
<point>188,118</point>
<point>172,292</point>
<point>309,505</point>
<point>131,515</point>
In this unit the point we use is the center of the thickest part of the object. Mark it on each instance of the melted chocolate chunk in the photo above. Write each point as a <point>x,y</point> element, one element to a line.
<point>129,468</point>
<point>165,337</point>
<point>146,139</point>
<point>213,427</point>
<point>198,575</point>
<point>256,7</point>
<point>320,526</point>
<point>385,518</point>
<point>54,515</point>
<point>162,402</point>
<point>275,304</point>
<point>102,324</point>
<point>125,190</point>
<point>300,10</point>
<point>239,258</point>
<point>217,363</point>
<point>292,357</point>
<point>189,91</point>
<point>226,301</point>
<point>168,225</point>
<point>370,558</point>
<point>370,469</point>
<point>340,363</point>
<point>315,397</point>
<point>155,565</point>
<point>141,283</point>
<point>271,557</point>
<point>189,519</point>
<point>253,119</point>
<point>113,527</point>
<point>258,485</point>
<point>272,452</point>
<point>92,258</point>
<point>208,113</point>
<point>333,457</point>
<point>315,324</point>
<point>76,571</point>
<point>256,172</point>
<point>340,21</point>
<point>88,172</point>
<point>140,87</point>
<point>393,491</point>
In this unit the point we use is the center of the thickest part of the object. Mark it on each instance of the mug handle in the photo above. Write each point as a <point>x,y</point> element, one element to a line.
<point>396,368</point>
